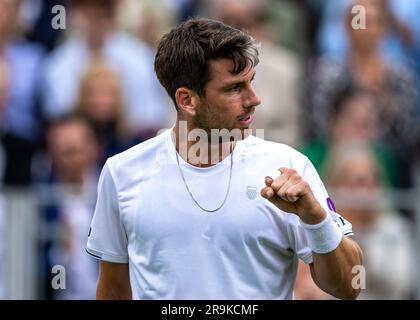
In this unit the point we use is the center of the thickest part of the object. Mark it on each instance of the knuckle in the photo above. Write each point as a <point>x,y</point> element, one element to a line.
<point>275,186</point>
<point>290,193</point>
<point>297,178</point>
<point>305,184</point>
<point>285,170</point>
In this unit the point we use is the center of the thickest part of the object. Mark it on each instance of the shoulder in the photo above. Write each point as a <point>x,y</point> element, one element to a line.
<point>140,157</point>
<point>129,46</point>
<point>70,54</point>
<point>392,225</point>
<point>27,51</point>
<point>273,151</point>
<point>400,74</point>
<point>67,47</point>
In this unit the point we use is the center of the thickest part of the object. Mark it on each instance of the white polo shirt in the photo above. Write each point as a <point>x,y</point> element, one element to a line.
<point>248,249</point>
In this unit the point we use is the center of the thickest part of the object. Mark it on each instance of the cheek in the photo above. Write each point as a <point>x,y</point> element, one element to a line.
<point>232,107</point>
<point>221,112</point>
<point>228,114</point>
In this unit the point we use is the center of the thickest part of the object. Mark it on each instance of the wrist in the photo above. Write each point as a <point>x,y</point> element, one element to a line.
<point>323,237</point>
<point>313,216</point>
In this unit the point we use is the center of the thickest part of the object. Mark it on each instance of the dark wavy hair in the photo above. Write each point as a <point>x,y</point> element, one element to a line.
<point>183,55</point>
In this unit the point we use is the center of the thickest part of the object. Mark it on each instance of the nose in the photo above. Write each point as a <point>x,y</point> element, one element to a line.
<point>252,99</point>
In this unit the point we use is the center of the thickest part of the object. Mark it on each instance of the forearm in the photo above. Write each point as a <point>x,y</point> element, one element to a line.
<point>332,271</point>
<point>333,256</point>
<point>113,282</point>
<point>112,292</point>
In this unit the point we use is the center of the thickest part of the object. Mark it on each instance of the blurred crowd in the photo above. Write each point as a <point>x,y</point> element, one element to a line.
<point>348,98</point>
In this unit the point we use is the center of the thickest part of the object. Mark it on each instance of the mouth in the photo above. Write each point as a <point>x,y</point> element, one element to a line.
<point>246,119</point>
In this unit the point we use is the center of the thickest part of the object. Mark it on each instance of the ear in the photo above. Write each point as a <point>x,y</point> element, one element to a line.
<point>187,101</point>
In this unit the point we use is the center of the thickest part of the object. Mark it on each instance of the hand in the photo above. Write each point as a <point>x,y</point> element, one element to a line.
<point>290,193</point>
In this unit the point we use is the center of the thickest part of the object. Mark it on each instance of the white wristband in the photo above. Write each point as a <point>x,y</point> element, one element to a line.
<point>323,237</point>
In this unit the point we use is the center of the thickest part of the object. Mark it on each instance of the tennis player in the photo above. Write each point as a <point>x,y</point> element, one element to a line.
<point>186,215</point>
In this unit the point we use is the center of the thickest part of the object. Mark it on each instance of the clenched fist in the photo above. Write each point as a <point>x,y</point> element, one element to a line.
<point>290,193</point>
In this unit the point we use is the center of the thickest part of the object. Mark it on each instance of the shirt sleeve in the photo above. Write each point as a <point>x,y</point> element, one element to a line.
<point>107,238</point>
<point>310,175</point>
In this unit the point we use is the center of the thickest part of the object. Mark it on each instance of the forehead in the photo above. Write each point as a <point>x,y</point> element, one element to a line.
<point>221,71</point>
<point>69,129</point>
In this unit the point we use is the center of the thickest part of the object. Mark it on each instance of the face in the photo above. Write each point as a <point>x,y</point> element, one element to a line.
<point>71,148</point>
<point>96,22</point>
<point>229,101</point>
<point>360,174</point>
<point>375,27</point>
<point>237,14</point>
<point>102,99</point>
<point>358,183</point>
<point>357,121</point>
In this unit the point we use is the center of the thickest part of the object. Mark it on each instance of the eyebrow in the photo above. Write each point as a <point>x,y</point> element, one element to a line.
<point>236,82</point>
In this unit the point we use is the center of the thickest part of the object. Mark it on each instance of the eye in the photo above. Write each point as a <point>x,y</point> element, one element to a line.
<point>235,88</point>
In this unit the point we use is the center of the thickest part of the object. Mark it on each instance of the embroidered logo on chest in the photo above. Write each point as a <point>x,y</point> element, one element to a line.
<point>251,192</point>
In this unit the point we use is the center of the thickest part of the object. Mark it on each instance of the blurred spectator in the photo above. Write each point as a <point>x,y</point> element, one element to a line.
<point>4,79</point>
<point>147,19</point>
<point>36,19</point>
<point>3,248</point>
<point>184,9</point>
<point>21,63</point>
<point>364,67</point>
<point>72,149</point>
<point>4,88</point>
<point>402,40</point>
<point>353,116</point>
<point>386,239</point>
<point>97,37</point>
<point>4,92</point>
<point>291,22</point>
<point>278,73</point>
<point>101,103</point>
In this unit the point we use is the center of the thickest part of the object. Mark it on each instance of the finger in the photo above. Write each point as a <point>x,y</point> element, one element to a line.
<point>268,181</point>
<point>271,177</point>
<point>284,170</point>
<point>279,182</point>
<point>286,192</point>
<point>275,174</point>
<point>286,206</point>
<point>294,192</point>
<point>267,193</point>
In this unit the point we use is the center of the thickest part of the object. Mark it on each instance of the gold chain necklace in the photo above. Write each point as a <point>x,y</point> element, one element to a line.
<point>189,191</point>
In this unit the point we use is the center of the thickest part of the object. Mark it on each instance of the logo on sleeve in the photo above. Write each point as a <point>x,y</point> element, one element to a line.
<point>331,205</point>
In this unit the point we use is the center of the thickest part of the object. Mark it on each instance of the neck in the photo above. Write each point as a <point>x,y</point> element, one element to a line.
<point>72,178</point>
<point>364,55</point>
<point>196,147</point>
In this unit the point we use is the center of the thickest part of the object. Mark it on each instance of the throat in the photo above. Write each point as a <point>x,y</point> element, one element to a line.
<point>205,155</point>
<point>202,153</point>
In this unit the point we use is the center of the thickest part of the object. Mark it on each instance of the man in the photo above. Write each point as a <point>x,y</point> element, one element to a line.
<point>177,221</point>
<point>72,149</point>
<point>21,64</point>
<point>98,38</point>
